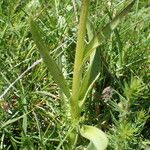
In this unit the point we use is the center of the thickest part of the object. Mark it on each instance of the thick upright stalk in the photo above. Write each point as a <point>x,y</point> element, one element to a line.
<point>77,74</point>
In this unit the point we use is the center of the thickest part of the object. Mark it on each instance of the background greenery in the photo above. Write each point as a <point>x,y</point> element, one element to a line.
<point>32,115</point>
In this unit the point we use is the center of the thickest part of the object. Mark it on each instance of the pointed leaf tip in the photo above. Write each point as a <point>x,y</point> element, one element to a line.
<point>52,66</point>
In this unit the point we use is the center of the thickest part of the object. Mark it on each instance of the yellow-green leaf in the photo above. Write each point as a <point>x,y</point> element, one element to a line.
<point>98,139</point>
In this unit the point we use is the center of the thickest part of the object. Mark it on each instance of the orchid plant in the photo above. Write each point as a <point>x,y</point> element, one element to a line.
<point>82,81</point>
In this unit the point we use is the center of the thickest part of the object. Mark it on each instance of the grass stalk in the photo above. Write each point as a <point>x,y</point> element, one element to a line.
<point>77,74</point>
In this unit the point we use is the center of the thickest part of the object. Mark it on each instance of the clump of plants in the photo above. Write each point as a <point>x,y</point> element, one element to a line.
<point>82,80</point>
<point>91,95</point>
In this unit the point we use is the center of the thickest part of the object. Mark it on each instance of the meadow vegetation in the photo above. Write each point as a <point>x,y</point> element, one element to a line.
<point>91,84</point>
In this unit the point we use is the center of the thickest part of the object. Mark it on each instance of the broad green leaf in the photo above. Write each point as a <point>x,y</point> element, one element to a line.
<point>98,139</point>
<point>91,75</point>
<point>105,32</point>
<point>48,60</point>
<point>93,70</point>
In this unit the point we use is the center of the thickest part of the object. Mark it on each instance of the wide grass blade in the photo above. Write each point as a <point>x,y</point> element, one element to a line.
<point>105,32</point>
<point>98,139</point>
<point>49,61</point>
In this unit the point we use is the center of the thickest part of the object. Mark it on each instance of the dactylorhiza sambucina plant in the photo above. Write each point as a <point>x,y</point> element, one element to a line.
<point>82,81</point>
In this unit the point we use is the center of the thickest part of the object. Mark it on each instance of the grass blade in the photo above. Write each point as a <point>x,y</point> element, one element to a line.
<point>10,121</point>
<point>118,39</point>
<point>48,60</point>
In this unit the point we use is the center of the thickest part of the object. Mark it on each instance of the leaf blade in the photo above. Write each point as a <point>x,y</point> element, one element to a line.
<point>91,75</point>
<point>48,60</point>
<point>93,70</point>
<point>98,139</point>
<point>106,32</point>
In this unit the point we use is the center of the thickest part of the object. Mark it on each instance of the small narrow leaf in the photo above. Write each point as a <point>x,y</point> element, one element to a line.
<point>48,60</point>
<point>105,32</point>
<point>10,121</point>
<point>98,139</point>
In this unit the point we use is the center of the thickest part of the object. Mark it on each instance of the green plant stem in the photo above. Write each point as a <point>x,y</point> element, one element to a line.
<point>77,74</point>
